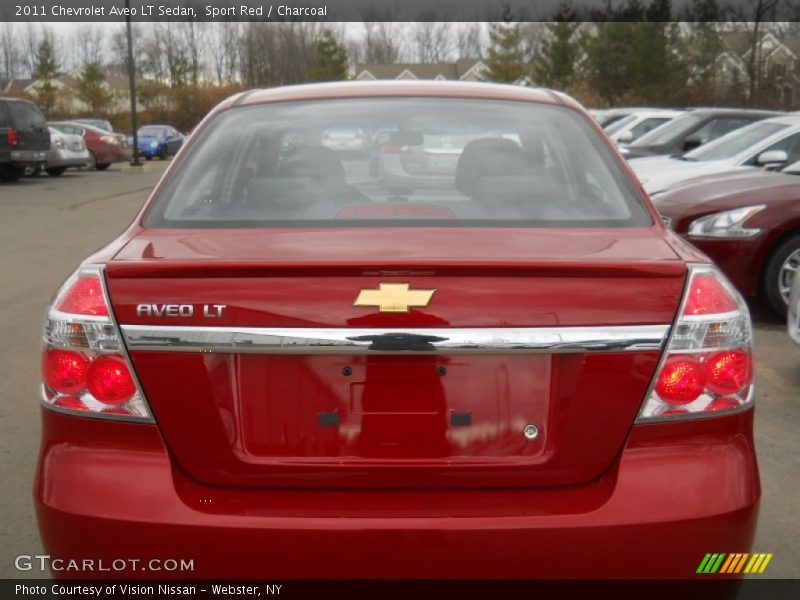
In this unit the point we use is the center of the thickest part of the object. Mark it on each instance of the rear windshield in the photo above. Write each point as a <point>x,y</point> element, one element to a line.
<point>398,161</point>
<point>25,116</point>
<point>152,132</point>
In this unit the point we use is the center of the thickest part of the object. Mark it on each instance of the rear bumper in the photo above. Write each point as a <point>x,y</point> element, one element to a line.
<point>108,490</point>
<point>27,158</point>
<point>68,158</point>
<point>149,151</point>
<point>107,154</point>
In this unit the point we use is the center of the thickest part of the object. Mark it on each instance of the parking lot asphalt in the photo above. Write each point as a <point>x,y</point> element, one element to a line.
<point>48,225</point>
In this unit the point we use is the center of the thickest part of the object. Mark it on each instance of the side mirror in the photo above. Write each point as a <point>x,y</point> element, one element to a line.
<point>691,143</point>
<point>772,157</point>
<point>626,137</point>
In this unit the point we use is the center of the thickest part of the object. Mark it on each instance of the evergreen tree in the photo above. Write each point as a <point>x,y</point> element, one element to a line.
<point>330,59</point>
<point>506,61</point>
<point>555,63</point>
<point>91,88</point>
<point>635,55</point>
<point>45,71</point>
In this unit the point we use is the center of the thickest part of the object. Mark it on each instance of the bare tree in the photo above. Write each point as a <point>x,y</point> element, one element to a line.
<point>433,41</point>
<point>227,42</point>
<point>469,40</point>
<point>382,42</point>
<point>30,39</point>
<point>119,47</point>
<point>87,44</point>
<point>278,53</point>
<point>9,51</point>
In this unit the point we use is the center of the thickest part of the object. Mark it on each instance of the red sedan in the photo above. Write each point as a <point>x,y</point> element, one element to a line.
<point>287,367</point>
<point>105,148</point>
<point>748,223</point>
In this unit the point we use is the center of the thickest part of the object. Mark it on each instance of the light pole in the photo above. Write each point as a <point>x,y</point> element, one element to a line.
<point>132,83</point>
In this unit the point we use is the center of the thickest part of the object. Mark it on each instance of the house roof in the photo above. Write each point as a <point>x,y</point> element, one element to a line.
<point>14,85</point>
<point>452,71</point>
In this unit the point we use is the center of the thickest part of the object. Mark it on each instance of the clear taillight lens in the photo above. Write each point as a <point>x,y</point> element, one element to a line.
<point>707,367</point>
<point>85,368</point>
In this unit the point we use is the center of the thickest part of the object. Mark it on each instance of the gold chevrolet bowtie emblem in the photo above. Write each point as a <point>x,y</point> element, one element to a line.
<point>394,297</point>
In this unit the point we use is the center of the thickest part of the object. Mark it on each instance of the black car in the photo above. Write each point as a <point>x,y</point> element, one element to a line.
<point>695,128</point>
<point>24,138</point>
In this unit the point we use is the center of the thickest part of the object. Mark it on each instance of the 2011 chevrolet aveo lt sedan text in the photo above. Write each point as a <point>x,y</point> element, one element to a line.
<point>487,357</point>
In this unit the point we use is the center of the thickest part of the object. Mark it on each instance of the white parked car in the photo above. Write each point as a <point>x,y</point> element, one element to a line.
<point>771,142</point>
<point>793,313</point>
<point>631,128</point>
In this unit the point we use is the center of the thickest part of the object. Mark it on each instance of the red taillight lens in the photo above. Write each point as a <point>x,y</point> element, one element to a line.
<point>723,403</point>
<point>65,370</point>
<point>84,297</point>
<point>707,368</point>
<point>85,369</point>
<point>728,371</point>
<point>708,296</point>
<point>70,402</point>
<point>392,149</point>
<point>109,380</point>
<point>13,138</point>
<point>681,380</point>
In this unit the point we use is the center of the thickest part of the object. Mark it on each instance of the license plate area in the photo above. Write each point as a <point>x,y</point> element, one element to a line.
<point>454,408</point>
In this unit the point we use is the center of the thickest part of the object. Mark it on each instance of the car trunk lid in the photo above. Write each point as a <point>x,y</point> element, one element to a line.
<point>261,369</point>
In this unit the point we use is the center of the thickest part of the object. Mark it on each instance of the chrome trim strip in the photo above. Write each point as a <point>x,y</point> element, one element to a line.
<point>267,340</point>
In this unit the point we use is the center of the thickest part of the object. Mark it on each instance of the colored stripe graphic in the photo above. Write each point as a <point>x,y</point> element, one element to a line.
<point>764,564</point>
<point>734,563</point>
<point>703,563</point>
<point>727,564</point>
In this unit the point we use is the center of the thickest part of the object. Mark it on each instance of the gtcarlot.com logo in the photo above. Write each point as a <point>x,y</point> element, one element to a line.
<point>721,563</point>
<point>44,562</point>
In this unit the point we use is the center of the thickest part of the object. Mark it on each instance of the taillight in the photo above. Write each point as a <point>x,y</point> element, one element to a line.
<point>393,149</point>
<point>707,367</point>
<point>13,138</point>
<point>85,368</point>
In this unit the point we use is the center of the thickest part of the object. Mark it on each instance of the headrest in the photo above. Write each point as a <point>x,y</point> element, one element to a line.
<point>487,157</point>
<point>314,162</point>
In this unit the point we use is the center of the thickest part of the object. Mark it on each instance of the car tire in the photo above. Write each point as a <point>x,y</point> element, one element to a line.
<point>149,157</point>
<point>92,161</point>
<point>103,167</point>
<point>56,171</point>
<point>781,266</point>
<point>10,173</point>
<point>162,153</point>
<point>32,171</point>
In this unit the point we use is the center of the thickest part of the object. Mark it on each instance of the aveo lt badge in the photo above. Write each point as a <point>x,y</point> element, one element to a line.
<point>209,311</point>
<point>394,297</point>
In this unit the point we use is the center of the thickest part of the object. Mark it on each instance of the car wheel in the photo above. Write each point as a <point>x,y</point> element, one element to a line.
<point>92,161</point>
<point>781,269</point>
<point>162,153</point>
<point>103,166</point>
<point>33,171</point>
<point>56,171</point>
<point>149,157</point>
<point>10,174</point>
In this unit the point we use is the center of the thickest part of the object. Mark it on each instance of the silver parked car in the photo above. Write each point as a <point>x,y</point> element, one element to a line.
<point>66,151</point>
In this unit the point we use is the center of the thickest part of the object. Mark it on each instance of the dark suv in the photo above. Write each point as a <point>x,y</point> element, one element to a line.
<point>695,128</point>
<point>24,138</point>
